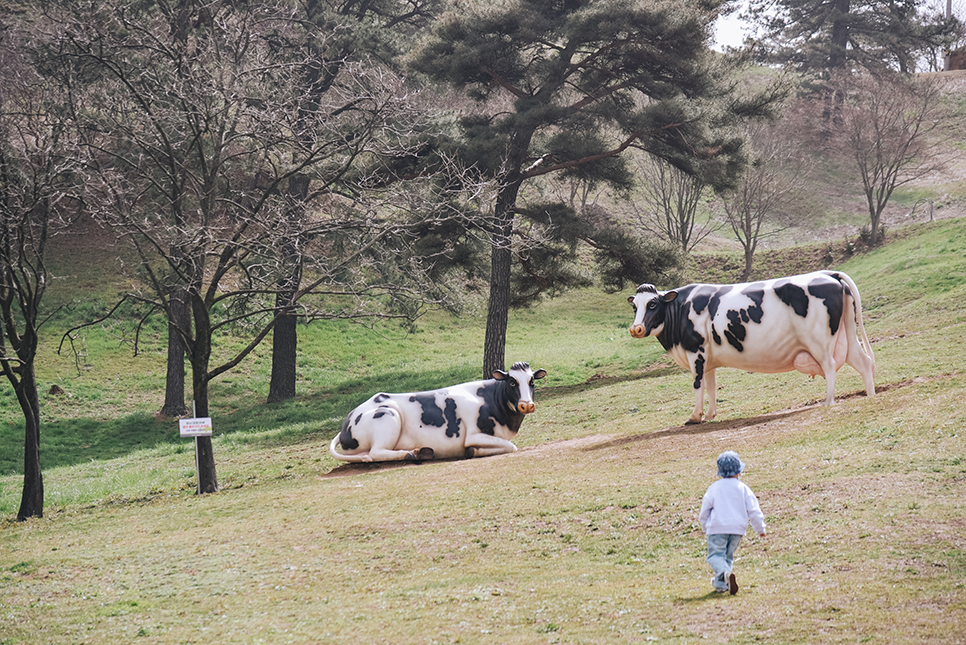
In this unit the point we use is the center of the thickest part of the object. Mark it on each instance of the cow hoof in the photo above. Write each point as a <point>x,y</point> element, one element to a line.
<point>422,454</point>
<point>470,453</point>
<point>692,422</point>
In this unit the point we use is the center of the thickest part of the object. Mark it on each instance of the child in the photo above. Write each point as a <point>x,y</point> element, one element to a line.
<point>726,509</point>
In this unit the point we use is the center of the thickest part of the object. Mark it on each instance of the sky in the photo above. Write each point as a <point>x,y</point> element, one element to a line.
<point>728,31</point>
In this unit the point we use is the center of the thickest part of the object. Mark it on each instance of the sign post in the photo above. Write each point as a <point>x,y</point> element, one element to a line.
<point>196,427</point>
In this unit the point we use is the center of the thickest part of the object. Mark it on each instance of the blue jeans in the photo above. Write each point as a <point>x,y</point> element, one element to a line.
<point>721,556</point>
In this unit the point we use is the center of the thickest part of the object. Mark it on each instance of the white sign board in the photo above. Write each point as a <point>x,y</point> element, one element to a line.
<point>200,427</point>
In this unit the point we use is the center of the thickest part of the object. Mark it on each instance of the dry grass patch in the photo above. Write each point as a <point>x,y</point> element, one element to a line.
<point>590,539</point>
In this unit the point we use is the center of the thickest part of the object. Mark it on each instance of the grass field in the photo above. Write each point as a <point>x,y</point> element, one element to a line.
<point>588,534</point>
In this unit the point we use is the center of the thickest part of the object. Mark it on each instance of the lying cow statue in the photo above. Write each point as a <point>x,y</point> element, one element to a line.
<point>474,419</point>
<point>804,322</point>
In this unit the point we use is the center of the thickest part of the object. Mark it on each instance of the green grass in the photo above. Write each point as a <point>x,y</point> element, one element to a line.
<point>588,534</point>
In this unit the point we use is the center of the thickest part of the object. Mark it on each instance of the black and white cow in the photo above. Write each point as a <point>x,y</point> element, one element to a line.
<point>804,322</point>
<point>473,419</point>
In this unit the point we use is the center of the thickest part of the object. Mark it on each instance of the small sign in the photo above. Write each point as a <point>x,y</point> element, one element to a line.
<point>200,427</point>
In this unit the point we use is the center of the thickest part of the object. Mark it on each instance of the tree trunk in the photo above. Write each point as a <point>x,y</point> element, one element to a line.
<point>174,405</point>
<point>32,500</point>
<point>200,357</point>
<point>207,477</point>
<point>494,344</point>
<point>839,41</point>
<point>284,352</point>
<point>285,334</point>
<point>874,233</point>
<point>749,263</point>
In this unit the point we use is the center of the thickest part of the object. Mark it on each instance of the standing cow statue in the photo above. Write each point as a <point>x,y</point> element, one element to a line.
<point>804,322</point>
<point>473,419</point>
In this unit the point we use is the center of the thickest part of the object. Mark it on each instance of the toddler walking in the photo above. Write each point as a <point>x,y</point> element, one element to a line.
<point>726,509</point>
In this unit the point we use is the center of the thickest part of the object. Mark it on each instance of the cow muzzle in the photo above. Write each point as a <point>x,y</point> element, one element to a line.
<point>638,331</point>
<point>526,407</point>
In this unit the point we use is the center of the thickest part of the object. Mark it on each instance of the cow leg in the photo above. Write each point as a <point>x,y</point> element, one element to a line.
<point>698,413</point>
<point>828,367</point>
<point>383,427</point>
<point>711,388</point>
<point>866,368</point>
<point>697,371</point>
<point>485,445</point>
<point>860,361</point>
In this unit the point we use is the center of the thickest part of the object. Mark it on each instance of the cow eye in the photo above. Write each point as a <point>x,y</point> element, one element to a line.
<point>652,305</point>
<point>513,382</point>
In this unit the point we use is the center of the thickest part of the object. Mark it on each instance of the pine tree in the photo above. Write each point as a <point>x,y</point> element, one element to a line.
<point>566,87</point>
<point>819,36</point>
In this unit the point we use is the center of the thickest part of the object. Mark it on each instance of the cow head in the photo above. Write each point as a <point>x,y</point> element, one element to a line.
<point>649,307</point>
<point>519,385</point>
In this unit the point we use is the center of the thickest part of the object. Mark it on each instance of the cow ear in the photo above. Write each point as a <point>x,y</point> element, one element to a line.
<point>670,295</point>
<point>500,375</point>
<point>630,299</point>
<point>539,373</point>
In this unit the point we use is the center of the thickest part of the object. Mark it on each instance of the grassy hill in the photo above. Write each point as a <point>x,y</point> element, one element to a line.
<point>588,534</point>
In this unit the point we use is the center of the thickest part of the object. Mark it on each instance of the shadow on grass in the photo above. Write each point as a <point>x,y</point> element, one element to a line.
<point>711,595</point>
<point>312,416</point>
<point>698,428</point>
<point>598,381</point>
<point>72,441</point>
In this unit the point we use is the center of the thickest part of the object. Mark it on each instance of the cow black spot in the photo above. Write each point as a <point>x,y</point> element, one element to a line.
<point>702,298</point>
<point>346,439</point>
<point>452,423</point>
<point>793,296</point>
<point>432,414</point>
<point>735,332</point>
<point>356,422</point>
<point>715,336</point>
<point>678,326</point>
<point>833,296</point>
<point>698,371</point>
<point>495,408</point>
<point>379,398</point>
<point>720,293</point>
<point>381,412</point>
<point>756,294</point>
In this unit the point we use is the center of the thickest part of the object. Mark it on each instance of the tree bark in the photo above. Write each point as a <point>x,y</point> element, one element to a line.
<point>494,343</point>
<point>32,500</point>
<point>178,323</point>
<point>831,115</point>
<point>285,333</point>
<point>284,352</point>
<point>200,357</point>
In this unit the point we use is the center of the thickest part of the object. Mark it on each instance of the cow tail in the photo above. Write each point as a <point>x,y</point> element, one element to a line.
<point>332,450</point>
<point>338,455</point>
<point>857,303</point>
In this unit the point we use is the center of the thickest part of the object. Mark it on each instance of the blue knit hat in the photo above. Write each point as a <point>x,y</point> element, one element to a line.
<point>729,465</point>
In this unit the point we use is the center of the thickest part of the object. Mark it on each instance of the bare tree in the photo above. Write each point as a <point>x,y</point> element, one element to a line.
<point>890,132</point>
<point>197,127</point>
<point>670,202</point>
<point>38,166</point>
<point>322,54</point>
<point>763,204</point>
